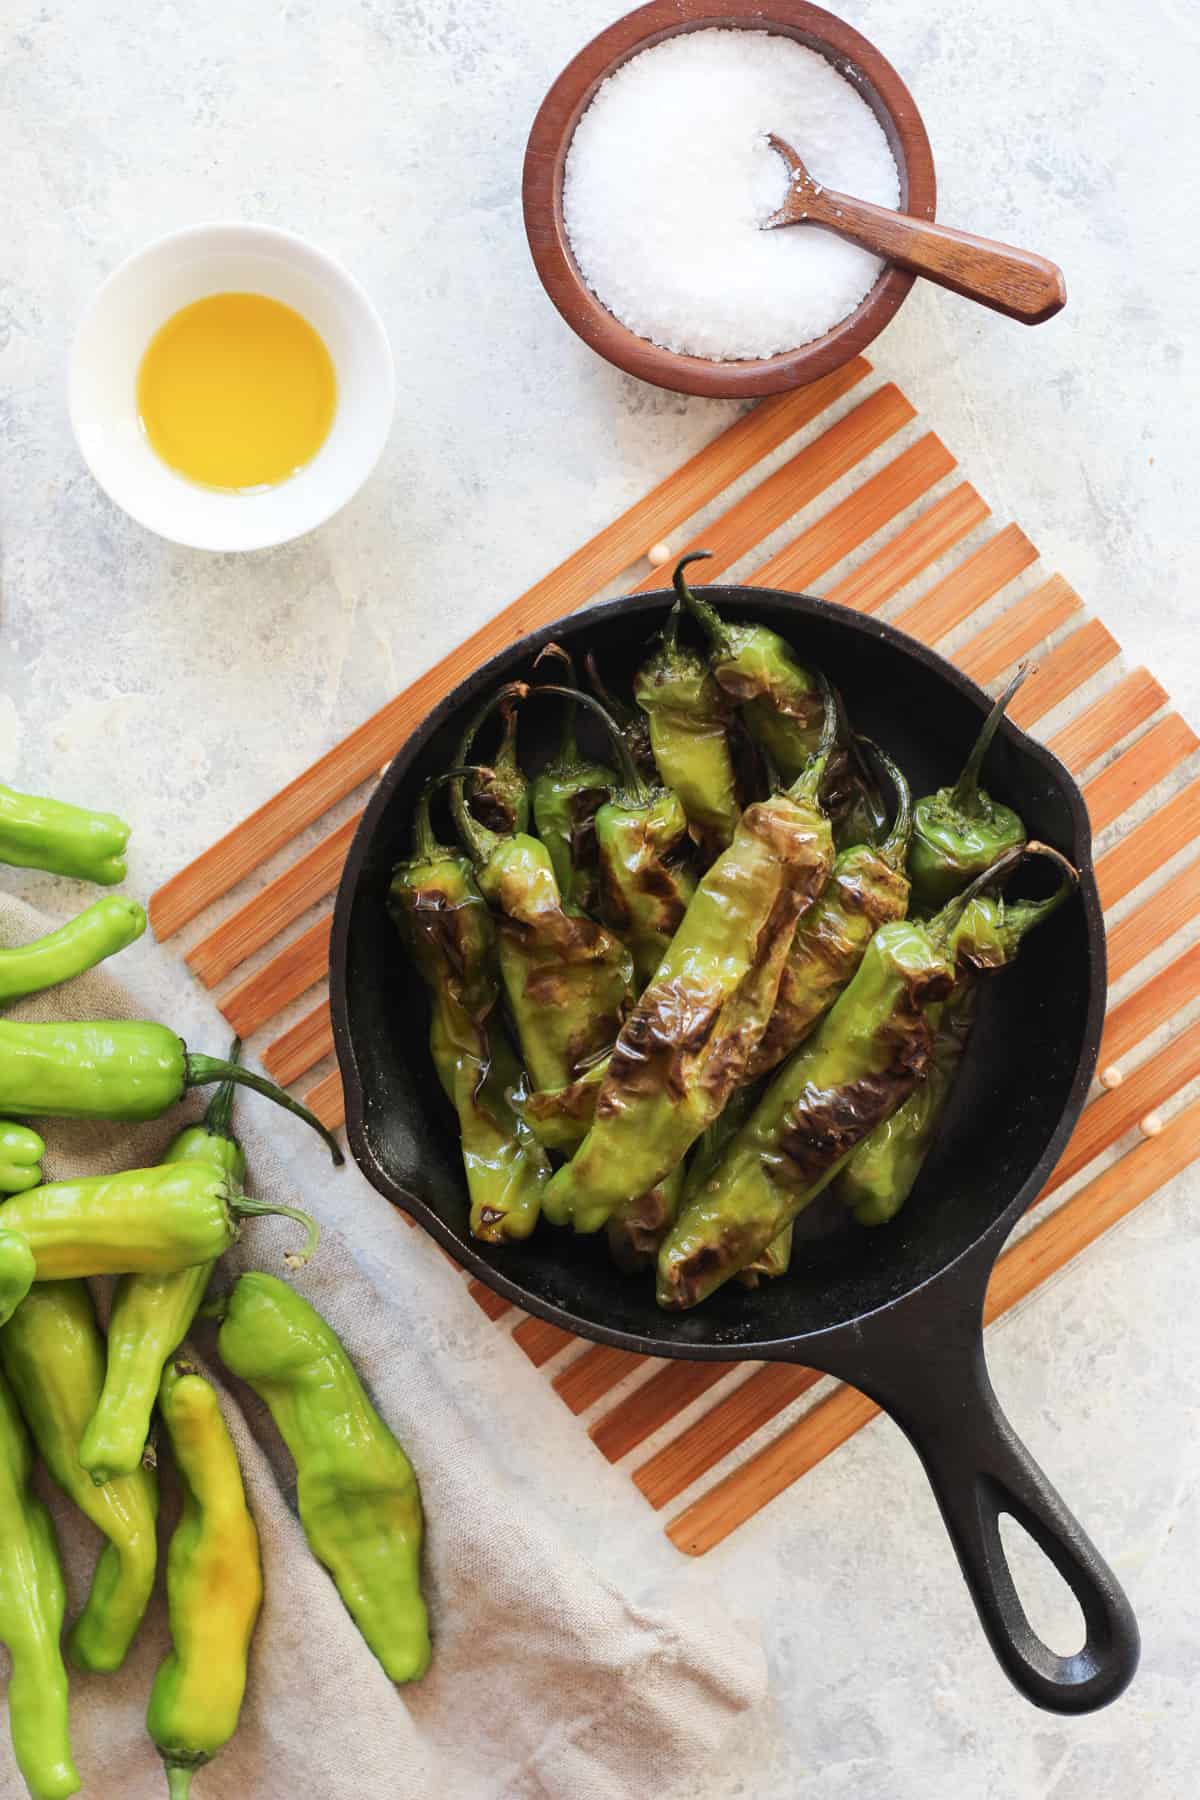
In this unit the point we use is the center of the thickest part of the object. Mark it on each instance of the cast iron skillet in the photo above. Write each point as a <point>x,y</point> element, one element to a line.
<point>896,1311</point>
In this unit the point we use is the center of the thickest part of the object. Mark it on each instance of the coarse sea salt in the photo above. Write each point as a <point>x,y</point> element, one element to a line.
<point>668,178</point>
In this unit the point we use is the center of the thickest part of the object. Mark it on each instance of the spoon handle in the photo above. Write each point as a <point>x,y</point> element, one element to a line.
<point>1018,283</point>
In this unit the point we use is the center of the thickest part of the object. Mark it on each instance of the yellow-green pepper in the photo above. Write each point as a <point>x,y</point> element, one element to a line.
<point>21,1153</point>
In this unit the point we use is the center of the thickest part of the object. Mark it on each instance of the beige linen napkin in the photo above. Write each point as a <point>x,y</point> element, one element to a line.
<point>548,1683</point>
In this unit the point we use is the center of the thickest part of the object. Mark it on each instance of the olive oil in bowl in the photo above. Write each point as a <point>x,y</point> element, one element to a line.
<point>236,392</point>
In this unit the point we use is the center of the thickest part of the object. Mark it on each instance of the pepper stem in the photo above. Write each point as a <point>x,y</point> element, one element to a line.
<point>620,712</point>
<point>568,747</point>
<point>200,1070</point>
<point>1025,914</point>
<point>941,925</point>
<point>629,769</point>
<point>807,784</point>
<point>220,1108</point>
<point>242,1207</point>
<point>701,609</point>
<point>894,848</point>
<point>478,840</point>
<point>179,1781</point>
<point>965,798</point>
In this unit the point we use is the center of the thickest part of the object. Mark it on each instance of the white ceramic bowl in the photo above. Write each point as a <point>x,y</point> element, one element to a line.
<point>141,296</point>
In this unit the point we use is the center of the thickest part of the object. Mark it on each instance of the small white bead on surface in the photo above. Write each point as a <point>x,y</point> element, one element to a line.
<point>1151,1125</point>
<point>1111,1077</point>
<point>658,554</point>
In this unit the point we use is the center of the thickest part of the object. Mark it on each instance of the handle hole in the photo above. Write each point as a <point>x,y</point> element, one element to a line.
<point>1049,1605</point>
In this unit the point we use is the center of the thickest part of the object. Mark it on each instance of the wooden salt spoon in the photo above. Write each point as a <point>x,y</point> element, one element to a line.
<point>1019,283</point>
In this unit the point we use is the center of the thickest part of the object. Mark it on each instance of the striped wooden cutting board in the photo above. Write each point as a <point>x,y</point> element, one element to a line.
<point>835,489</point>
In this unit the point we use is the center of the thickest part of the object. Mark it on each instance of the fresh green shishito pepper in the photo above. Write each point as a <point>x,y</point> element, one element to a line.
<point>143,1221</point>
<point>36,833</point>
<point>867,889</point>
<point>21,1153</point>
<point>882,1172</point>
<point>451,936</point>
<point>689,1040</point>
<point>214,1585</point>
<point>152,1314</point>
<point>32,1603</point>
<point>566,796</point>
<point>960,831</point>
<point>98,932</point>
<point>864,1059</point>
<point>689,733</point>
<point>566,979</point>
<point>18,1267</point>
<point>116,1069</point>
<point>358,1497</point>
<point>53,1355</point>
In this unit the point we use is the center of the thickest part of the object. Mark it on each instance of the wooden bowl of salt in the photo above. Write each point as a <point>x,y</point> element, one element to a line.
<point>642,194</point>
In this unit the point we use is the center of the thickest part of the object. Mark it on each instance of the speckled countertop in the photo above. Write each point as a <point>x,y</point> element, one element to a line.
<point>186,688</point>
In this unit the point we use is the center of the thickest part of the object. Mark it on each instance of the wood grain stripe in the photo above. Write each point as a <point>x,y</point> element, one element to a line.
<point>1112,1114</point>
<point>858,517</point>
<point>1132,775</point>
<point>487,1300</point>
<point>957,595</point>
<point>279,905</point>
<point>754,1403</point>
<point>291,973</point>
<point>1047,1248</point>
<point>760,512</point>
<point>1153,1004</point>
<point>1018,630</point>
<point>1131,703</point>
<point>1151,844</point>
<point>912,550</point>
<point>1141,932</point>
<point>327,1100</point>
<point>301,1048</point>
<point>593,1375</point>
<point>1063,671</point>
<point>341,769</point>
<point>540,1340</point>
<point>640,1414</point>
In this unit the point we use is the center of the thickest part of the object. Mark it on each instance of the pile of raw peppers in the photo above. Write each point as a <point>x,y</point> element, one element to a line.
<point>86,1403</point>
<point>680,991</point>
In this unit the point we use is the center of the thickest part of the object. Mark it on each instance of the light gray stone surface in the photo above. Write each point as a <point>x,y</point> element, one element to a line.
<point>186,688</point>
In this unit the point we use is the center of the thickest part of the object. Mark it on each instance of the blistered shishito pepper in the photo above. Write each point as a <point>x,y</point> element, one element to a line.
<point>711,1148</point>
<point>864,1059</point>
<point>566,795</point>
<point>214,1585</point>
<point>152,1314</point>
<point>451,935</point>
<point>500,793</point>
<point>359,1502</point>
<point>867,889</point>
<point>689,1041</point>
<point>638,1227</point>
<point>53,1356</point>
<point>116,1069</point>
<point>18,1267</point>
<point>882,1172</point>
<point>142,1221</point>
<point>689,733</point>
<point>634,723</point>
<point>566,979</point>
<point>960,831</point>
<point>32,1603</point>
<point>37,833</point>
<point>21,1153</point>
<point>98,932</point>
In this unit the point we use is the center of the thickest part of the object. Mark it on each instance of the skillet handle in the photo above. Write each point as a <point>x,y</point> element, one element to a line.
<point>936,1386</point>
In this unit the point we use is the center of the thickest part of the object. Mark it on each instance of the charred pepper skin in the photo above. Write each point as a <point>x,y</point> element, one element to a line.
<point>882,1172</point>
<point>689,1040</point>
<point>116,1069</point>
<point>566,796</point>
<point>865,1058</point>
<point>21,1153</point>
<point>100,931</point>
<point>960,831</point>
<point>143,1221</point>
<point>52,1354</point>
<point>39,833</point>
<point>867,889</point>
<point>214,1585</point>
<point>359,1502</point>
<point>689,733</point>
<point>152,1314</point>
<point>450,935</point>
<point>32,1605</point>
<point>567,980</point>
<point>18,1266</point>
